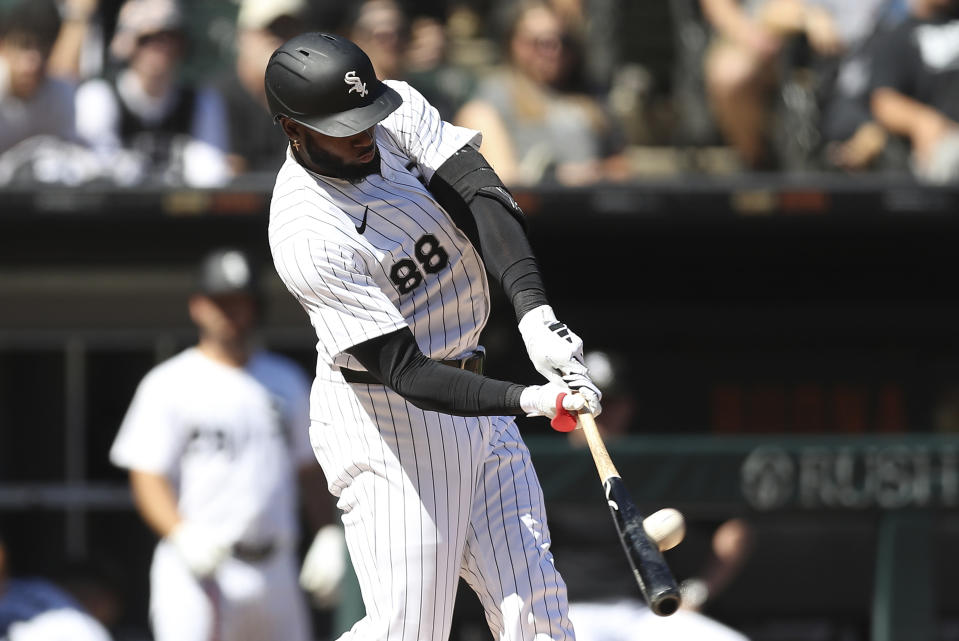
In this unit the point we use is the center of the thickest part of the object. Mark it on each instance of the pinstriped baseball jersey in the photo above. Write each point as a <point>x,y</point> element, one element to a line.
<point>426,497</point>
<point>367,258</point>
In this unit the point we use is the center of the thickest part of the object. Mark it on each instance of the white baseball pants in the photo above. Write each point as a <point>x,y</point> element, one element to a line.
<point>428,498</point>
<point>242,602</point>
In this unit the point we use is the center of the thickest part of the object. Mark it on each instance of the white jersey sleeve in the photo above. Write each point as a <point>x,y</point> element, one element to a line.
<point>418,129</point>
<point>149,438</point>
<point>332,281</point>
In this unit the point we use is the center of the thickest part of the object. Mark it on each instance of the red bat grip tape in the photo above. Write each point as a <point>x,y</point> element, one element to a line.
<point>564,421</point>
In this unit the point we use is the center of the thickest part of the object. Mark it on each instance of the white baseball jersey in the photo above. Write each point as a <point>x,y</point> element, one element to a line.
<point>366,259</point>
<point>230,440</point>
<point>427,497</point>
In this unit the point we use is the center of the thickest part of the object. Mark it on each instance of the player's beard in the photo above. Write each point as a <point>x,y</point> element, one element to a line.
<point>330,165</point>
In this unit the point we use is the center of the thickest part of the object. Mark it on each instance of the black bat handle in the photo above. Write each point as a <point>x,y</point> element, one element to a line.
<point>655,579</point>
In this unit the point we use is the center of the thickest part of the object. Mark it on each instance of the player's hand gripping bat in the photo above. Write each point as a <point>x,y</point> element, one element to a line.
<point>655,579</point>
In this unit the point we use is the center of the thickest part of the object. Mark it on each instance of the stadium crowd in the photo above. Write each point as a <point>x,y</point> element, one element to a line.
<point>160,92</point>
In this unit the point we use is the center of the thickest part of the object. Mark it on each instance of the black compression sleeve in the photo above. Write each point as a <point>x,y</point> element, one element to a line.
<point>396,360</point>
<point>508,255</point>
<point>471,192</point>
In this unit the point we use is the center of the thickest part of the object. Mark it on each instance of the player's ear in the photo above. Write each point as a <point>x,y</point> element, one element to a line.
<point>290,127</point>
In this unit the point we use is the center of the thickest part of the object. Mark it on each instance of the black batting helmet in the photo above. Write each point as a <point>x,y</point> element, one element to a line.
<point>227,270</point>
<point>327,83</point>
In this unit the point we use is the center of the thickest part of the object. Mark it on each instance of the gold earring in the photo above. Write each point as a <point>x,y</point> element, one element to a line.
<point>296,144</point>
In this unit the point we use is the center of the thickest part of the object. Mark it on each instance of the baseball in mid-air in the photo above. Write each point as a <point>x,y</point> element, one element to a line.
<point>667,527</point>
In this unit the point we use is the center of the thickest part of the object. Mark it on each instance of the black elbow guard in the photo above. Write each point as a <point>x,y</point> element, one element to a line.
<point>468,174</point>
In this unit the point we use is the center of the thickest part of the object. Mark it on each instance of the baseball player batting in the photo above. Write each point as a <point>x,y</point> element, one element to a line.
<point>385,224</point>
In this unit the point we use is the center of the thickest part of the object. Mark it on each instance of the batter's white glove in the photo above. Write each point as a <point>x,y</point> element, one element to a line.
<point>200,549</point>
<point>557,353</point>
<point>324,566</point>
<point>553,348</point>
<point>581,384</point>
<point>542,400</point>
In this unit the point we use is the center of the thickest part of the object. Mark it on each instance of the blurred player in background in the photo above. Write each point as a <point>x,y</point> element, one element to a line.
<point>215,439</point>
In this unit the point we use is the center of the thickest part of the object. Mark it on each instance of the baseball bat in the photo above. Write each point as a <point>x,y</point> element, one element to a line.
<point>655,579</point>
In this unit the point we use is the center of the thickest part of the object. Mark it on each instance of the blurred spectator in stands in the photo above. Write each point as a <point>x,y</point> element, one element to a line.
<point>853,140</point>
<point>536,127</point>
<point>378,27</point>
<point>146,124</point>
<point>740,74</point>
<point>78,52</point>
<point>38,138</point>
<point>915,88</point>
<point>410,47</point>
<point>31,102</point>
<point>605,603</point>
<point>256,144</point>
<point>600,68</point>
<point>428,67</point>
<point>743,64</point>
<point>597,24</point>
<point>36,609</point>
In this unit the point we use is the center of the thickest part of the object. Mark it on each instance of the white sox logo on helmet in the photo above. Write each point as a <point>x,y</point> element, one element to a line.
<point>355,83</point>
